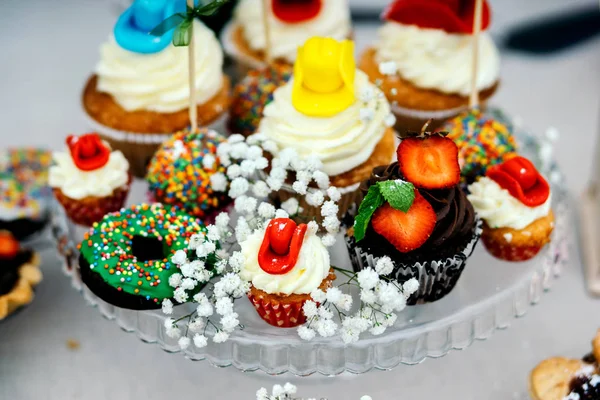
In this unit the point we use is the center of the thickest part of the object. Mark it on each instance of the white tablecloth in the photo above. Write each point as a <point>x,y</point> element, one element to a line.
<point>48,49</point>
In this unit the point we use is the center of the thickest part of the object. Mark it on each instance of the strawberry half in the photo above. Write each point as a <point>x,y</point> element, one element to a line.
<point>429,163</point>
<point>406,231</point>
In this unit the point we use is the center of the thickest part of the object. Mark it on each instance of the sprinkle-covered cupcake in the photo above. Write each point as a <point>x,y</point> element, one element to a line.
<point>514,201</point>
<point>284,263</point>
<point>125,259</point>
<point>25,197</point>
<point>181,172</point>
<point>483,141</point>
<point>290,23</point>
<point>415,213</point>
<point>139,93</point>
<point>330,111</point>
<point>423,60</point>
<point>252,94</point>
<point>19,274</point>
<point>89,180</point>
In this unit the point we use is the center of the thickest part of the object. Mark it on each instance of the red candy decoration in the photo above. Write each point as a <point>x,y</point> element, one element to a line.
<point>9,246</point>
<point>522,180</point>
<point>88,151</point>
<point>452,16</point>
<point>281,246</point>
<point>296,11</point>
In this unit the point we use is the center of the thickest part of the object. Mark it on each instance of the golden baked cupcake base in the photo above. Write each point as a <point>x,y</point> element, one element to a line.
<point>22,293</point>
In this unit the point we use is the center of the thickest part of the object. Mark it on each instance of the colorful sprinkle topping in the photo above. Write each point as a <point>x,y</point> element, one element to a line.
<point>482,141</point>
<point>251,95</point>
<point>131,249</point>
<point>180,171</point>
<point>24,190</point>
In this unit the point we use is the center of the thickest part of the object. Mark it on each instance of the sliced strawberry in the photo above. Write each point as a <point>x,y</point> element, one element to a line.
<point>430,162</point>
<point>409,230</point>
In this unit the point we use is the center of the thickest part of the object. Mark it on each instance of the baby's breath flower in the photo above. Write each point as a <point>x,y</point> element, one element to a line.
<point>245,204</point>
<point>334,194</point>
<point>310,309</point>
<point>248,167</point>
<point>208,162</point>
<point>329,208</point>
<point>224,306</point>
<point>218,182</point>
<point>318,295</point>
<point>255,138</point>
<point>281,214</point>
<point>220,337</point>
<point>306,333</point>
<point>233,171</point>
<point>188,284</point>
<point>384,266</point>
<point>266,210</point>
<point>184,342</point>
<point>300,187</point>
<point>260,189</point>
<point>326,327</point>
<point>173,332</point>
<point>270,146</point>
<point>328,240</point>
<point>200,340</point>
<point>179,257</point>
<point>213,233</point>
<point>261,163</point>
<point>254,152</point>
<point>197,324</point>
<point>235,138</point>
<point>410,286</point>
<point>195,240</point>
<point>167,306</point>
<point>315,198</point>
<point>238,187</point>
<point>322,179</point>
<point>180,295</point>
<point>291,206</point>
<point>222,220</point>
<point>367,278</point>
<point>175,280</point>
<point>331,223</point>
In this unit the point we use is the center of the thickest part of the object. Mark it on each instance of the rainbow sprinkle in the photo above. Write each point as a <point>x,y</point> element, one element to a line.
<point>482,142</point>
<point>24,190</point>
<point>251,95</point>
<point>177,176</point>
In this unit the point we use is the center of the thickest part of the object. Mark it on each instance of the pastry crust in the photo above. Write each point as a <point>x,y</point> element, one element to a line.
<point>382,155</point>
<point>103,108</point>
<point>550,379</point>
<point>22,294</point>
<point>535,234</point>
<point>406,95</point>
<point>596,346</point>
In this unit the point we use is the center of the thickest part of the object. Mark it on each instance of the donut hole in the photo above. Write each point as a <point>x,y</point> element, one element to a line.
<point>147,248</point>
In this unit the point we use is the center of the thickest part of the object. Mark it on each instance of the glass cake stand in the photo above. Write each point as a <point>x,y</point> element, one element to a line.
<point>488,296</point>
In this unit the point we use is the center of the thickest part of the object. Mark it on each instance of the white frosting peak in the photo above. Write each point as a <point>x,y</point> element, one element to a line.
<point>333,20</point>
<point>307,275</point>
<point>499,209</point>
<point>435,59</point>
<point>77,184</point>
<point>343,141</point>
<point>160,82</point>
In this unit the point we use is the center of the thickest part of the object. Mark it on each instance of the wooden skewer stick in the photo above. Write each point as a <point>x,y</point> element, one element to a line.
<point>192,76</point>
<point>266,8</point>
<point>474,98</point>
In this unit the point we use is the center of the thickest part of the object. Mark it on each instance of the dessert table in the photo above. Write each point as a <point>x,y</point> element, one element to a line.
<point>60,348</point>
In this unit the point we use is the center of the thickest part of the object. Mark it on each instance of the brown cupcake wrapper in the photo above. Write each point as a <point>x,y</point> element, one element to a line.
<point>284,311</point>
<point>436,278</point>
<point>92,209</point>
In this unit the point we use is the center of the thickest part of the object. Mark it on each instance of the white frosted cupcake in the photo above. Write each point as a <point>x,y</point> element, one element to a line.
<point>90,180</point>
<point>290,24</point>
<point>423,60</point>
<point>284,263</point>
<point>139,92</point>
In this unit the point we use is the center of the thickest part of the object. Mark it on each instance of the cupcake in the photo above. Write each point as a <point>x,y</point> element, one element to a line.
<point>180,173</point>
<point>90,180</point>
<point>19,274</point>
<point>330,111</point>
<point>483,141</point>
<point>290,24</point>
<point>284,263</point>
<point>514,201</point>
<point>139,93</point>
<point>415,212</point>
<point>25,197</point>
<point>423,60</point>
<point>560,378</point>
<point>251,95</point>
<point>133,269</point>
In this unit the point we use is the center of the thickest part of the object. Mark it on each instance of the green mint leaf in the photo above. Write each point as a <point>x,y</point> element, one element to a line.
<point>398,193</point>
<point>170,23</point>
<point>183,34</point>
<point>372,201</point>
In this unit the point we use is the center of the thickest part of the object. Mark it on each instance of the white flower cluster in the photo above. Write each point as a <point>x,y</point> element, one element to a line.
<point>204,251</point>
<point>246,161</point>
<point>368,96</point>
<point>380,298</point>
<point>285,392</point>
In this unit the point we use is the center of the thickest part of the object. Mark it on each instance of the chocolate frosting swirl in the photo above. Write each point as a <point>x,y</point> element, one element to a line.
<point>455,214</point>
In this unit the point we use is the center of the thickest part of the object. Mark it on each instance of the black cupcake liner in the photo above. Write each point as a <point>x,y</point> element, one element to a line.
<point>436,278</point>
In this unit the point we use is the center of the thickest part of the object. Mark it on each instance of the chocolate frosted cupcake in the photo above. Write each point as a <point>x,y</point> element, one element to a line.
<point>430,235</point>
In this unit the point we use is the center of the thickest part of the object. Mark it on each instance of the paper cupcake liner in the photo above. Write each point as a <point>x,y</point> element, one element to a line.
<point>413,120</point>
<point>436,278</point>
<point>283,311</point>
<point>350,198</point>
<point>139,148</point>
<point>509,252</point>
<point>91,209</point>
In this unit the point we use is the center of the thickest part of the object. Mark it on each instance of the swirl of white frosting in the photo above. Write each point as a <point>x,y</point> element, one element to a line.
<point>499,209</point>
<point>435,59</point>
<point>160,82</point>
<point>343,141</point>
<point>77,184</point>
<point>307,275</point>
<point>333,21</point>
